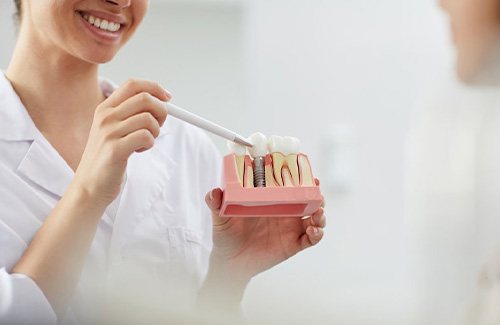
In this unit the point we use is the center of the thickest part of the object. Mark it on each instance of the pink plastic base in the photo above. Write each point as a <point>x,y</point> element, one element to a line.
<point>238,201</point>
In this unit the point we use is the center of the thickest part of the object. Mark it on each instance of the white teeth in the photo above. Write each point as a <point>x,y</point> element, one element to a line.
<point>102,23</point>
<point>275,143</point>
<point>290,146</point>
<point>259,148</point>
<point>237,149</point>
<point>285,145</point>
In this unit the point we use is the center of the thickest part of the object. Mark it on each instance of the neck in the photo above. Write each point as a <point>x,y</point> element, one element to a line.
<point>56,88</point>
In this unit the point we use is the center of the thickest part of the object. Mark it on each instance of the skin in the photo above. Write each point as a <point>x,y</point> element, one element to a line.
<point>96,136</point>
<point>475,25</point>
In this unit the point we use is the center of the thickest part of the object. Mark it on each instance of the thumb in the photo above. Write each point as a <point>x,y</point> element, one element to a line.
<point>214,202</point>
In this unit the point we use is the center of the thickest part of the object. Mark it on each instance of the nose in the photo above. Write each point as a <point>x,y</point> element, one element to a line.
<point>120,3</point>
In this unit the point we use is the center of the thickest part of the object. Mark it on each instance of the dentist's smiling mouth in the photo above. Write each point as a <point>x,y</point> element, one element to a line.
<point>101,23</point>
<point>103,26</point>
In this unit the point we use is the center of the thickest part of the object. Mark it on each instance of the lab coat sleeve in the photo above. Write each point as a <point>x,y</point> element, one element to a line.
<point>22,301</point>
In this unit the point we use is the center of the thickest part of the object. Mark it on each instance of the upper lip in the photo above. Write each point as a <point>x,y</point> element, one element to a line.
<point>106,16</point>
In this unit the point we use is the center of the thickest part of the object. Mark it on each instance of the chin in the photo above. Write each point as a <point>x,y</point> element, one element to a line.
<point>98,57</point>
<point>479,65</point>
<point>480,74</point>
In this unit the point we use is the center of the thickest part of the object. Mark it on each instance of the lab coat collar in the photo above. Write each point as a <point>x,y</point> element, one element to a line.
<point>15,122</point>
<point>42,164</point>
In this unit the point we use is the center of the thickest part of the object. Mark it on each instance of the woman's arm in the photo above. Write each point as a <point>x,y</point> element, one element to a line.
<point>55,257</point>
<point>127,122</point>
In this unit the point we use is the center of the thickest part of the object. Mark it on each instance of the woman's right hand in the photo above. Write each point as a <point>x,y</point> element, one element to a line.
<point>128,121</point>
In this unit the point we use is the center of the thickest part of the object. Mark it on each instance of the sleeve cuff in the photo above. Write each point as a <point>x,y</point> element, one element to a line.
<point>23,302</point>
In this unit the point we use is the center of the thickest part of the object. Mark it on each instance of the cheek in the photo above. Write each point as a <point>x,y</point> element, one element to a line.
<point>137,13</point>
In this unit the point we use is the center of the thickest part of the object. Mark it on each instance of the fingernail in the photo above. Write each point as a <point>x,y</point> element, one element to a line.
<point>315,231</point>
<point>211,195</point>
<point>169,94</point>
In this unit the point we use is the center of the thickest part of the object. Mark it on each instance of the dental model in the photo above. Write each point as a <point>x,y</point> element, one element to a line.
<point>239,152</point>
<point>258,153</point>
<point>284,151</point>
<point>274,179</point>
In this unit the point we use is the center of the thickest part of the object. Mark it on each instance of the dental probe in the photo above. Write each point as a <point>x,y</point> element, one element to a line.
<point>207,125</point>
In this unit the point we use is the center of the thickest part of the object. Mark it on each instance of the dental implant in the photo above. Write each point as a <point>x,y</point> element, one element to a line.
<point>258,153</point>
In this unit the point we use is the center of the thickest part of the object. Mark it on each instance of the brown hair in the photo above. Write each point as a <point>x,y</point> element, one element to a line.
<point>18,8</point>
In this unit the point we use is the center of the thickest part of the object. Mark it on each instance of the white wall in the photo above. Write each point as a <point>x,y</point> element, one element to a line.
<point>305,68</point>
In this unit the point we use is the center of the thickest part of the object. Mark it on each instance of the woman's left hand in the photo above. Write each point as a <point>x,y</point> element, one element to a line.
<point>247,246</point>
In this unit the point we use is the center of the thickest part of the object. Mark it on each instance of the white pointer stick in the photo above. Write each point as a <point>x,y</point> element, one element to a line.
<point>207,125</point>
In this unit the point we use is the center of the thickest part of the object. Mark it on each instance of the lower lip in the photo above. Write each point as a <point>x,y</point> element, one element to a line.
<point>100,34</point>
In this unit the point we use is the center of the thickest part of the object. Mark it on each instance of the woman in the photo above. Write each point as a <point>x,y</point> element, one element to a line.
<point>455,179</point>
<point>101,193</point>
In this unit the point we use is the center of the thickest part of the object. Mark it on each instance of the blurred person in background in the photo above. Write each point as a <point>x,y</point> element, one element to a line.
<point>453,201</point>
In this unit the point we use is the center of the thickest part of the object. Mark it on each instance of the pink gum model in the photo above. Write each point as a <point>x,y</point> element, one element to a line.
<point>239,201</point>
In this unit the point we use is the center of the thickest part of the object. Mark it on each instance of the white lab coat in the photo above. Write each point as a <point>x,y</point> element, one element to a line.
<point>151,256</point>
<point>453,207</point>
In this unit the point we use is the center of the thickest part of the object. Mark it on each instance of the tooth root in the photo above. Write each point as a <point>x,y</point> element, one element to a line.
<point>248,173</point>
<point>249,178</point>
<point>306,175</point>
<point>293,167</point>
<point>278,161</point>
<point>287,177</point>
<point>270,181</point>
<point>240,167</point>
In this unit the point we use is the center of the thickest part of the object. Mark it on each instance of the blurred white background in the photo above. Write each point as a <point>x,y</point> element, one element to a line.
<point>343,76</point>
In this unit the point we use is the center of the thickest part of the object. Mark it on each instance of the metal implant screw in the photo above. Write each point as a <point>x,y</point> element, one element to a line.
<point>259,173</point>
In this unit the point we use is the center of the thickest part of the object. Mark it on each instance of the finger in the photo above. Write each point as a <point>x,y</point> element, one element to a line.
<point>318,183</point>
<point>312,237</point>
<point>214,199</point>
<point>141,103</point>
<point>214,202</point>
<point>138,141</point>
<point>133,87</point>
<point>137,122</point>
<point>317,219</point>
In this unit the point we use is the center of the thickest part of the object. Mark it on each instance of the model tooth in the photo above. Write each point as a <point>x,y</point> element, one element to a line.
<point>269,170</point>
<point>289,145</point>
<point>292,167</point>
<point>291,148</point>
<point>248,181</point>
<point>274,143</point>
<point>284,151</point>
<point>306,175</point>
<point>278,162</point>
<point>240,152</point>
<point>236,148</point>
<point>259,148</point>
